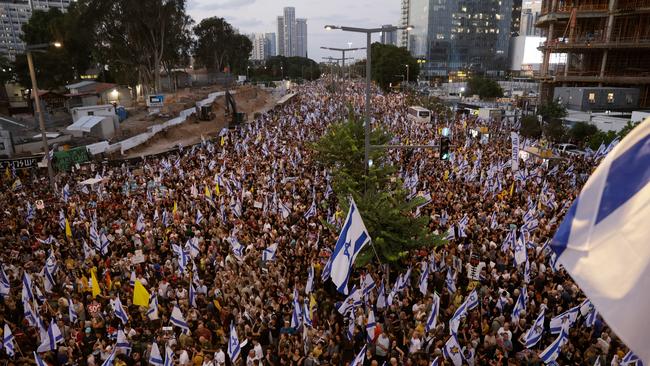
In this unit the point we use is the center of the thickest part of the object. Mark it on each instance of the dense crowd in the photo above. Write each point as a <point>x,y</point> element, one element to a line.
<point>219,236</point>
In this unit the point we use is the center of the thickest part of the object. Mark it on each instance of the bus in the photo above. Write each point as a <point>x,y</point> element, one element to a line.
<point>419,114</point>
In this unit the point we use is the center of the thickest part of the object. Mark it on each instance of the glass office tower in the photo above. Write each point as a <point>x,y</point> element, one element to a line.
<point>461,35</point>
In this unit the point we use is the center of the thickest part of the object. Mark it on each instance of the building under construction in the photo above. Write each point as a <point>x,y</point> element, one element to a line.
<point>606,42</point>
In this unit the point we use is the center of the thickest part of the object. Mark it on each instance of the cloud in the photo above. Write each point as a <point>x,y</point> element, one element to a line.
<point>218,5</point>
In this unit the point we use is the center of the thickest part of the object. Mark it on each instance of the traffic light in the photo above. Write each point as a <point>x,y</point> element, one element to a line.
<point>444,148</point>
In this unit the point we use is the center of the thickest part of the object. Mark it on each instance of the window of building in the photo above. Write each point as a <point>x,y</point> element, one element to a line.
<point>610,97</point>
<point>629,99</point>
<point>592,98</point>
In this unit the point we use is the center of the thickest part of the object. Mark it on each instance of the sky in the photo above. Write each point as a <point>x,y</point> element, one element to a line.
<point>260,16</point>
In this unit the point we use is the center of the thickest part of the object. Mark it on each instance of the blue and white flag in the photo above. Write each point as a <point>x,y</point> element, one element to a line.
<point>38,360</point>
<point>27,287</point>
<point>435,362</point>
<point>311,212</point>
<point>103,246</point>
<point>381,297</point>
<point>183,257</point>
<point>192,296</point>
<point>139,224</point>
<point>154,355</point>
<point>296,316</point>
<point>178,319</point>
<point>424,278</point>
<point>360,358</point>
<point>450,281</point>
<point>8,341</point>
<point>367,284</point>
<point>66,192</point>
<point>119,311</point>
<point>452,351</point>
<point>352,239</point>
<point>5,285</point>
<point>520,306</point>
<point>551,352</point>
<point>169,356</point>
<point>310,280</point>
<point>351,302</point>
<point>62,220</point>
<point>306,314</point>
<point>152,311</point>
<point>603,239</point>
<point>123,343</point>
<point>269,253</point>
<point>192,246</point>
<point>454,322</point>
<point>371,326</point>
<point>233,344</point>
<point>514,136</point>
<point>631,359</point>
<point>534,334</point>
<point>527,272</point>
<point>564,320</point>
<point>432,320</point>
<point>72,313</point>
<point>199,217</point>
<point>54,337</point>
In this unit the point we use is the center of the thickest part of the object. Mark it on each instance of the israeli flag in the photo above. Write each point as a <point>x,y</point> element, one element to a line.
<point>139,225</point>
<point>27,287</point>
<point>54,337</point>
<point>631,359</point>
<point>5,285</point>
<point>310,280</point>
<point>450,281</point>
<point>66,192</point>
<point>154,356</point>
<point>62,220</point>
<point>360,358</point>
<point>433,314</point>
<point>403,281</point>
<point>192,296</point>
<point>152,311</point>
<point>551,352</point>
<point>311,212</point>
<point>269,253</point>
<point>603,238</point>
<point>199,217</point>
<point>352,239</point>
<point>435,362</point>
<point>178,320</point>
<point>72,313</point>
<point>233,344</point>
<point>169,356</point>
<point>103,249</point>
<point>424,277</point>
<point>534,334</point>
<point>8,341</point>
<point>31,213</point>
<point>38,360</point>
<point>183,257</point>
<point>520,306</point>
<point>527,272</point>
<point>472,300</point>
<point>119,311</point>
<point>452,351</point>
<point>371,326</point>
<point>381,297</point>
<point>564,321</point>
<point>123,343</point>
<point>306,314</point>
<point>367,284</point>
<point>351,302</point>
<point>454,322</point>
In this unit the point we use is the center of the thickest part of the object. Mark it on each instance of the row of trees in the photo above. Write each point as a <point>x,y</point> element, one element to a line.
<point>278,67</point>
<point>131,41</point>
<point>390,65</point>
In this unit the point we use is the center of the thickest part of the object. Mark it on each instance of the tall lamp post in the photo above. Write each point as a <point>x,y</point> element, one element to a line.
<point>408,80</point>
<point>368,32</point>
<point>41,120</point>
<point>343,51</point>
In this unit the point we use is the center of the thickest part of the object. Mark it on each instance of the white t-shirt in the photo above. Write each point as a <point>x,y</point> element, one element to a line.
<point>505,333</point>
<point>415,345</point>
<point>220,357</point>
<point>184,358</point>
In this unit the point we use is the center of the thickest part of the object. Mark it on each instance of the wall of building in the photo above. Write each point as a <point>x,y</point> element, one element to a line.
<point>597,99</point>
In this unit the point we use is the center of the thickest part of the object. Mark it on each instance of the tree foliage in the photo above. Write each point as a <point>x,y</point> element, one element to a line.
<point>290,67</point>
<point>382,200</point>
<point>530,127</point>
<point>550,111</point>
<point>389,64</point>
<point>218,46</point>
<point>484,88</point>
<point>580,132</point>
<point>555,131</point>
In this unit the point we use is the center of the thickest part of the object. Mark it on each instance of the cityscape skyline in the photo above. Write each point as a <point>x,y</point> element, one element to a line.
<point>254,16</point>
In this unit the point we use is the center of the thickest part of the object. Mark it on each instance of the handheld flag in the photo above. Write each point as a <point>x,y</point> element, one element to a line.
<point>8,341</point>
<point>371,326</point>
<point>140,294</point>
<point>433,315</point>
<point>178,320</point>
<point>169,356</point>
<point>233,344</point>
<point>119,311</point>
<point>352,239</point>
<point>154,356</point>
<point>152,312</point>
<point>452,351</point>
<point>360,358</point>
<point>72,313</point>
<point>534,334</point>
<point>553,350</point>
<point>94,284</point>
<point>269,253</point>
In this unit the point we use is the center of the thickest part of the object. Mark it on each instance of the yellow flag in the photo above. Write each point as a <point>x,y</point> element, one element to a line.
<point>174,209</point>
<point>207,192</point>
<point>512,188</point>
<point>94,284</point>
<point>446,174</point>
<point>7,173</point>
<point>140,294</point>
<point>84,284</point>
<point>216,189</point>
<point>223,140</point>
<point>312,305</point>
<point>68,231</point>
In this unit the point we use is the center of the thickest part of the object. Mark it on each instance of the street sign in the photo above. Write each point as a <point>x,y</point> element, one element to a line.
<point>155,101</point>
<point>21,163</point>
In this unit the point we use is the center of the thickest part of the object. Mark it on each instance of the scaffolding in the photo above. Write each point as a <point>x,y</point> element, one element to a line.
<point>606,42</point>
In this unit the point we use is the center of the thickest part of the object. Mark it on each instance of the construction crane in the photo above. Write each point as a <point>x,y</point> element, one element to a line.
<point>236,118</point>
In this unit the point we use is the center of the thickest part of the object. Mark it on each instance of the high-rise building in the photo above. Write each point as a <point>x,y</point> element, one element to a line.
<point>269,45</point>
<point>515,22</point>
<point>606,43</point>
<point>289,31</point>
<point>301,37</point>
<point>389,37</point>
<point>280,39</point>
<point>404,21</point>
<point>530,10</point>
<point>460,36</point>
<point>259,41</point>
<point>15,13</point>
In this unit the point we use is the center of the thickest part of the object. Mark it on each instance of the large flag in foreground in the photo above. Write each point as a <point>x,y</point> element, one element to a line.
<point>353,238</point>
<point>602,241</point>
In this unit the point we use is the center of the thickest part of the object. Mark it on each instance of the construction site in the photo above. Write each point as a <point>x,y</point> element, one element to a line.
<point>606,43</point>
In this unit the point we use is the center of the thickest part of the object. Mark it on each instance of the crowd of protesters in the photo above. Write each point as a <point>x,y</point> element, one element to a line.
<point>192,226</point>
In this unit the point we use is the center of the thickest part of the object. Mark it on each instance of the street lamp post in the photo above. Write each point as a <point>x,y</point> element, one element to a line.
<point>247,72</point>
<point>41,120</point>
<point>368,32</point>
<point>343,51</point>
<point>408,80</point>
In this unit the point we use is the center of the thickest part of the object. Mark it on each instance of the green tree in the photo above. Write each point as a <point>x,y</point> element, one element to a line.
<point>600,137</point>
<point>530,127</point>
<point>555,131</point>
<point>484,88</point>
<point>291,67</point>
<point>389,65</point>
<point>382,200</point>
<point>218,46</point>
<point>581,132</point>
<point>550,111</point>
<point>628,127</point>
